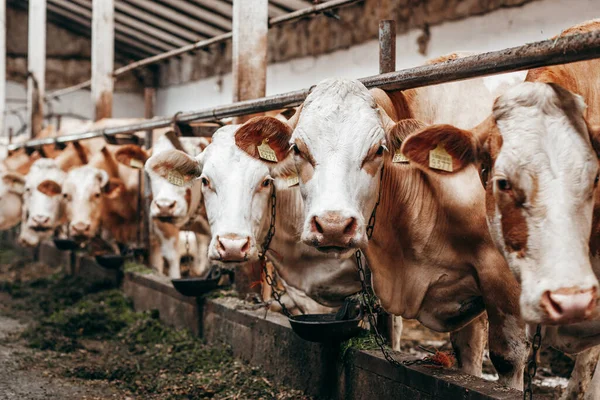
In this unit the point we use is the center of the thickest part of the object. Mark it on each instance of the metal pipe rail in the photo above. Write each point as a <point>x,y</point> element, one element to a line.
<point>548,52</point>
<point>202,44</point>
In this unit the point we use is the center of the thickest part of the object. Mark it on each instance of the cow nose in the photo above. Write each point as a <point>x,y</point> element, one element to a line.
<point>80,228</point>
<point>569,305</point>
<point>233,248</point>
<point>334,228</point>
<point>40,219</point>
<point>165,205</point>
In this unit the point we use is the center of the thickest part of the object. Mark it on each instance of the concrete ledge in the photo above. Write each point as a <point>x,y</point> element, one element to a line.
<point>266,340</point>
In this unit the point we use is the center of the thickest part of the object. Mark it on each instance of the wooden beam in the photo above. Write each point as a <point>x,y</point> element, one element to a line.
<point>36,65</point>
<point>2,65</point>
<point>103,41</point>
<point>250,28</point>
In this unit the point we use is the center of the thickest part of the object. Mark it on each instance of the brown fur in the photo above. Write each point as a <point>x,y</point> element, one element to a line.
<point>49,188</point>
<point>129,152</point>
<point>403,128</point>
<point>250,135</point>
<point>164,162</point>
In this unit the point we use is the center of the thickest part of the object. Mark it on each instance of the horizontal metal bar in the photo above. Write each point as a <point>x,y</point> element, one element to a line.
<point>225,37</point>
<point>548,52</point>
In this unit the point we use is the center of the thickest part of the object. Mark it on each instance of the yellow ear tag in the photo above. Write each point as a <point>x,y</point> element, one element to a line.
<point>175,178</point>
<point>135,163</point>
<point>399,157</point>
<point>440,159</point>
<point>292,180</point>
<point>266,152</point>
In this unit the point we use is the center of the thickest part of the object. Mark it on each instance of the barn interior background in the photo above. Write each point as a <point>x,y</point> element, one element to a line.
<point>300,54</point>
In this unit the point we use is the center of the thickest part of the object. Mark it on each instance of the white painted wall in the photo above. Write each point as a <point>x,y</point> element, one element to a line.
<point>494,31</point>
<point>125,104</point>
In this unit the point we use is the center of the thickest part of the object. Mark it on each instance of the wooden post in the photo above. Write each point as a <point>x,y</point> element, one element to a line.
<point>2,65</point>
<point>36,65</point>
<point>103,42</point>
<point>250,28</point>
<point>149,101</point>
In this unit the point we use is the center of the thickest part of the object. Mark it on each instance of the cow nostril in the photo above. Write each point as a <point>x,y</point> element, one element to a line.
<point>246,246</point>
<point>172,204</point>
<point>316,226</point>
<point>350,226</point>
<point>555,306</point>
<point>220,247</point>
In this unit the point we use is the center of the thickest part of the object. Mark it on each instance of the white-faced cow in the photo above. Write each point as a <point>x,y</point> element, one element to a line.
<point>538,153</point>
<point>42,201</point>
<point>431,255</point>
<point>12,185</point>
<point>173,208</point>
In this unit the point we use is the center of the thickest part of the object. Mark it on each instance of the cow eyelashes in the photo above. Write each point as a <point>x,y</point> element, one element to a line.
<point>296,150</point>
<point>380,150</point>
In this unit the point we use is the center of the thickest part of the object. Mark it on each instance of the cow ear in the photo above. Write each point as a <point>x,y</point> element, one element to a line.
<point>49,188</point>
<point>264,138</point>
<point>14,181</point>
<point>132,156</point>
<point>175,166</point>
<point>396,133</point>
<point>441,148</point>
<point>114,188</point>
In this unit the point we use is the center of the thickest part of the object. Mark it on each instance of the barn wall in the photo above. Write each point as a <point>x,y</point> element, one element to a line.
<point>496,30</point>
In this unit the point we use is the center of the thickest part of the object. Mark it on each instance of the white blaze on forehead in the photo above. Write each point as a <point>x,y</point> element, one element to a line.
<point>546,154</point>
<point>81,186</point>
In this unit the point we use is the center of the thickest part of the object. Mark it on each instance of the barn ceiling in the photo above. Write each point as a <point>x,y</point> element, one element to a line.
<point>148,27</point>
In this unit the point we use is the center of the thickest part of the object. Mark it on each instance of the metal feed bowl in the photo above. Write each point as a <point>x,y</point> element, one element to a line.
<point>110,261</point>
<point>66,244</point>
<point>195,287</point>
<point>325,328</point>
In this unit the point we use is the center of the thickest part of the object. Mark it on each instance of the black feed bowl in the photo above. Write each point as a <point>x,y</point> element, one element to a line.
<point>195,287</point>
<point>324,328</point>
<point>66,244</point>
<point>110,261</point>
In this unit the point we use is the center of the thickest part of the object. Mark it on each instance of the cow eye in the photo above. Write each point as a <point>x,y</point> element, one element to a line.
<point>97,195</point>
<point>503,185</point>
<point>596,180</point>
<point>380,150</point>
<point>296,150</point>
<point>205,182</point>
<point>266,182</point>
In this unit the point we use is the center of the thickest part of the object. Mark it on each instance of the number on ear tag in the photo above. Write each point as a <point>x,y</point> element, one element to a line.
<point>135,163</point>
<point>440,159</point>
<point>175,178</point>
<point>399,157</point>
<point>292,180</point>
<point>266,152</point>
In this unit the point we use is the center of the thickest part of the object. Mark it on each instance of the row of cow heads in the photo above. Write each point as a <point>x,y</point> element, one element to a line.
<point>539,166</point>
<point>335,145</point>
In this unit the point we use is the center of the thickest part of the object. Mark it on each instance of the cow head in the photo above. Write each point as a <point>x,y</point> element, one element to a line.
<point>12,185</point>
<point>42,201</point>
<point>540,170</point>
<point>236,184</point>
<point>87,193</point>
<point>338,145</point>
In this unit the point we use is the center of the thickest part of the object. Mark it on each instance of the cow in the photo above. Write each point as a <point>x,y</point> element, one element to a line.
<point>431,255</point>
<point>12,185</point>
<point>173,208</point>
<point>42,202</point>
<point>537,154</point>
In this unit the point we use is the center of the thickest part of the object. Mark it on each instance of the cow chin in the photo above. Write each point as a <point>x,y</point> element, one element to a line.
<point>334,248</point>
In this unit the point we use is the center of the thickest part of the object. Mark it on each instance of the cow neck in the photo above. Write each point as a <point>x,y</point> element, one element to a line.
<point>289,211</point>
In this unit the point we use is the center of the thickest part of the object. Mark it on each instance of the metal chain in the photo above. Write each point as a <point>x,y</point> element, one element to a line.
<point>531,369</point>
<point>187,248</point>
<point>263,259</point>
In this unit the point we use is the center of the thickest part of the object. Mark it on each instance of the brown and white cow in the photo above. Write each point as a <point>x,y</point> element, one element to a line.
<point>538,153</point>
<point>173,209</point>
<point>431,256</point>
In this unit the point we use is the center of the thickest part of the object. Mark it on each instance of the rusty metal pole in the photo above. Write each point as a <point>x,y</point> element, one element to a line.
<point>36,66</point>
<point>387,46</point>
<point>149,101</point>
